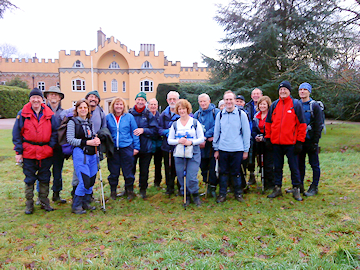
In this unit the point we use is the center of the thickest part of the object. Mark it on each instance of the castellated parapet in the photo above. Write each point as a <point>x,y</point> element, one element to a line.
<point>111,68</point>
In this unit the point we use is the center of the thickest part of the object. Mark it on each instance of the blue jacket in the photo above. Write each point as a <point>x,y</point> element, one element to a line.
<point>165,122</point>
<point>122,133</point>
<point>148,122</point>
<point>207,120</point>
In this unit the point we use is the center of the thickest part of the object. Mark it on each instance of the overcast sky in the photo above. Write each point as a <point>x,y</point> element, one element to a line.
<point>182,29</point>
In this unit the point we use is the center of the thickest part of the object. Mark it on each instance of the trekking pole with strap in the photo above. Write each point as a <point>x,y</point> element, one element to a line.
<point>262,168</point>
<point>101,182</point>
<point>184,179</point>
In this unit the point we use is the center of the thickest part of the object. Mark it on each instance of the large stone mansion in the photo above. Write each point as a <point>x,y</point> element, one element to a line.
<point>111,69</point>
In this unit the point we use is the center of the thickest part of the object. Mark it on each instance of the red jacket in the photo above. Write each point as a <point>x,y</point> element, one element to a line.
<point>285,122</point>
<point>35,132</point>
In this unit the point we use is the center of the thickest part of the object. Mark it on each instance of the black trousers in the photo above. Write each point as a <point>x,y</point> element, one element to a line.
<point>144,163</point>
<point>158,163</point>
<point>170,172</point>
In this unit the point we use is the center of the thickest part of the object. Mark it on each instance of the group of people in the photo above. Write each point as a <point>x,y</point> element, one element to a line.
<point>223,142</point>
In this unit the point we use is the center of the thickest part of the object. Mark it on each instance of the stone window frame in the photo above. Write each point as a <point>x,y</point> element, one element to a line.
<point>114,86</point>
<point>75,85</point>
<point>114,65</point>
<point>147,86</point>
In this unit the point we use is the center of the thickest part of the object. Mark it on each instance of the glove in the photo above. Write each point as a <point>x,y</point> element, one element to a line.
<point>269,145</point>
<point>313,147</point>
<point>166,133</point>
<point>297,148</point>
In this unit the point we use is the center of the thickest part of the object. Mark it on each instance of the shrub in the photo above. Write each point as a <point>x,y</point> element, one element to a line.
<point>17,82</point>
<point>12,100</point>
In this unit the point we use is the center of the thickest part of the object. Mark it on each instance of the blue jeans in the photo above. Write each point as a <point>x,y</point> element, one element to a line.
<point>123,158</point>
<point>229,166</point>
<point>314,163</point>
<point>279,152</point>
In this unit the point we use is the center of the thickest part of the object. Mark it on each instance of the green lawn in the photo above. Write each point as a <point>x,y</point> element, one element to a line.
<point>322,232</point>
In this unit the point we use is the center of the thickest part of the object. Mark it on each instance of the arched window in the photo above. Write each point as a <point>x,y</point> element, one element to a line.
<point>114,65</point>
<point>114,86</point>
<point>78,85</point>
<point>146,86</point>
<point>78,64</point>
<point>146,64</point>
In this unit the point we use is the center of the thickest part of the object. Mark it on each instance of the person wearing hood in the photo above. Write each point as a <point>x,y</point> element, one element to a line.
<point>167,117</point>
<point>206,116</point>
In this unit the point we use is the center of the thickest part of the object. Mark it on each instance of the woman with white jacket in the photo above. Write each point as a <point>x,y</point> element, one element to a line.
<point>187,134</point>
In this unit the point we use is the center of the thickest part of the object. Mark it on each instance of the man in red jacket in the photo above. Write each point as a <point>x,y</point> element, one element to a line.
<point>285,130</point>
<point>34,137</point>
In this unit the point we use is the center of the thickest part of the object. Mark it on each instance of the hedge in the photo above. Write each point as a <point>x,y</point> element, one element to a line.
<point>12,99</point>
<point>342,101</point>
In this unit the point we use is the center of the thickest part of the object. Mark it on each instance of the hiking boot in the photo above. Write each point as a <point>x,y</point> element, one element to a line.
<point>196,199</point>
<point>123,194</point>
<point>37,201</point>
<point>77,205</point>
<point>169,192</point>
<point>29,207</point>
<point>296,194</point>
<point>131,195</point>
<point>276,192</point>
<point>221,199</point>
<point>252,180</point>
<point>113,195</point>
<point>86,203</point>
<point>143,194</point>
<point>239,198</point>
<point>291,190</point>
<point>187,200</point>
<point>43,194</point>
<point>211,191</point>
<point>29,195</point>
<point>45,204</point>
<point>56,197</point>
<point>313,190</point>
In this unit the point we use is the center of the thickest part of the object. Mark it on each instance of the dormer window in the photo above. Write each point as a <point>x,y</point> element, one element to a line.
<point>146,64</point>
<point>78,64</point>
<point>114,65</point>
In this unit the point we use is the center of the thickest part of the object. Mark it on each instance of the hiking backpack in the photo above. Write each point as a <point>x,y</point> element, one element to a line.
<point>322,107</point>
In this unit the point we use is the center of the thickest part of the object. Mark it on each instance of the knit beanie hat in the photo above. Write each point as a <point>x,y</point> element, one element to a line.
<point>142,95</point>
<point>95,92</point>
<point>285,84</point>
<point>36,92</point>
<point>306,86</point>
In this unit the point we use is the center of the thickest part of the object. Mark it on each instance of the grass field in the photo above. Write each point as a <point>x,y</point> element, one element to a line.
<point>322,232</point>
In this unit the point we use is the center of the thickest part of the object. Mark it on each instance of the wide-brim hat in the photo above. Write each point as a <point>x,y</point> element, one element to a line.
<point>54,89</point>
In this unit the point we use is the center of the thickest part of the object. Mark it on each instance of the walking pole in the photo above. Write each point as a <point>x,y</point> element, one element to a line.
<point>170,171</point>
<point>262,168</point>
<point>101,182</point>
<point>184,180</point>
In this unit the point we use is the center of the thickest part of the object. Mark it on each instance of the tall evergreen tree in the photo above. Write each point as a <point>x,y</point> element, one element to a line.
<point>268,38</point>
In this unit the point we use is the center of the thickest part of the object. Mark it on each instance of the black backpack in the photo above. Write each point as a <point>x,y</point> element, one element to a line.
<point>322,107</point>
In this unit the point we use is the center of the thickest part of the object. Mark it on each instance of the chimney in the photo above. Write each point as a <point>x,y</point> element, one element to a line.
<point>146,48</point>
<point>100,38</point>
